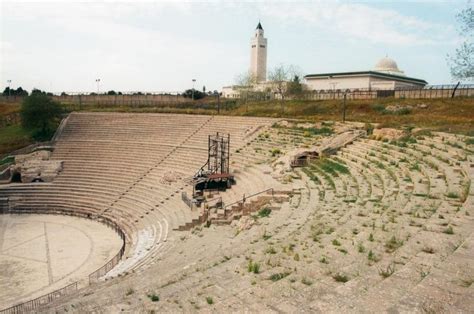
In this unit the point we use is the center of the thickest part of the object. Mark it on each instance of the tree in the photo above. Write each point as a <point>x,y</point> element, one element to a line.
<point>36,91</point>
<point>40,114</point>
<point>295,87</point>
<point>14,92</point>
<point>462,62</point>
<point>280,77</point>
<point>245,83</point>
<point>111,92</point>
<point>197,94</point>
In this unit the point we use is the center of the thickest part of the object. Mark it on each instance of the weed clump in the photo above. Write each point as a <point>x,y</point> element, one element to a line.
<point>153,297</point>
<point>306,281</point>
<point>278,276</point>
<point>339,277</point>
<point>393,244</point>
<point>449,230</point>
<point>264,212</point>
<point>253,267</point>
<point>385,273</point>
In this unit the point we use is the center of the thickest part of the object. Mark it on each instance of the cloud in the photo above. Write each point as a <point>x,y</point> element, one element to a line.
<point>360,21</point>
<point>100,40</point>
<point>154,46</point>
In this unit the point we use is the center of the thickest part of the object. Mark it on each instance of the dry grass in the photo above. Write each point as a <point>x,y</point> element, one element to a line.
<point>448,115</point>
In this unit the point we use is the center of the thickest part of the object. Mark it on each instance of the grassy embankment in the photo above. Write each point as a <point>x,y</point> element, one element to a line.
<point>449,115</point>
<point>12,136</point>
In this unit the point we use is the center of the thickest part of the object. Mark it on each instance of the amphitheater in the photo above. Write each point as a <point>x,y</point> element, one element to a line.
<point>380,225</point>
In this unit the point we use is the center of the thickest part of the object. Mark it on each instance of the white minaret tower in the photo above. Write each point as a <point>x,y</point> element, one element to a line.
<point>258,55</point>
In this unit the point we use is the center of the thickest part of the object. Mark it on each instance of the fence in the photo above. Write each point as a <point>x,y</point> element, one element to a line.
<point>94,277</point>
<point>241,203</point>
<point>31,305</point>
<point>428,92</point>
<point>40,301</point>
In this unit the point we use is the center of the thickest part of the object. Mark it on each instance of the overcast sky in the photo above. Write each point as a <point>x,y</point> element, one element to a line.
<point>162,46</point>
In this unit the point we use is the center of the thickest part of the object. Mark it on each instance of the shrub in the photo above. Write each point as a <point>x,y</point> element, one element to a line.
<point>469,141</point>
<point>209,300</point>
<point>340,277</point>
<point>270,250</point>
<point>378,107</point>
<point>40,114</point>
<point>449,230</point>
<point>275,152</point>
<point>153,297</point>
<point>278,276</point>
<point>369,128</point>
<point>264,212</point>
<point>372,257</point>
<point>452,195</point>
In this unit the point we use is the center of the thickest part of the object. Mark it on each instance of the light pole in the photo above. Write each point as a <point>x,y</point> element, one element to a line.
<point>194,81</point>
<point>344,108</point>
<point>9,89</point>
<point>97,81</point>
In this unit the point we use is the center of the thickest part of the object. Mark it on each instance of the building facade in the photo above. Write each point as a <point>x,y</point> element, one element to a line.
<point>258,55</point>
<point>384,76</point>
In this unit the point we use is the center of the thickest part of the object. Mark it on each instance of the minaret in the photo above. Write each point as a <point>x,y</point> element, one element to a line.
<point>258,55</point>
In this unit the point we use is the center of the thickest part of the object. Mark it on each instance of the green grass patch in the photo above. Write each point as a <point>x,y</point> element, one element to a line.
<point>14,137</point>
<point>253,267</point>
<point>332,167</point>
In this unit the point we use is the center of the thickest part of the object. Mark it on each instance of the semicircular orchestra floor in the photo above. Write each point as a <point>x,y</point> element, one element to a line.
<point>42,253</point>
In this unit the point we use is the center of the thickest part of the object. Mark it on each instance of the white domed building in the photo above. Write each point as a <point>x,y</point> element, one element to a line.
<point>385,76</point>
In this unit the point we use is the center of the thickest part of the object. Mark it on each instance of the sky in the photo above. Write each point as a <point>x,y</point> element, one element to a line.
<point>161,46</point>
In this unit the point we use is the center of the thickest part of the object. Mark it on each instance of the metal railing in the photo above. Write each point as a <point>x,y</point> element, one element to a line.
<point>40,301</point>
<point>188,201</point>
<point>245,198</point>
<point>94,276</point>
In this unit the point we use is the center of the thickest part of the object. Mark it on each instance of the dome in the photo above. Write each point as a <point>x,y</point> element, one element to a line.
<point>387,65</point>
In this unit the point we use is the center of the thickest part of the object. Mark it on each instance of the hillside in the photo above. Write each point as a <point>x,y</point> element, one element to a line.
<point>447,115</point>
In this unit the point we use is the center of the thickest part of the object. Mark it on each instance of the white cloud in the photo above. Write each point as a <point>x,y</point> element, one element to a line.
<point>69,44</point>
<point>355,20</point>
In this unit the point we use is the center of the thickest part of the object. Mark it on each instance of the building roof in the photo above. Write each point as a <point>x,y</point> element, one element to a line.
<point>369,73</point>
<point>388,65</point>
<point>259,26</point>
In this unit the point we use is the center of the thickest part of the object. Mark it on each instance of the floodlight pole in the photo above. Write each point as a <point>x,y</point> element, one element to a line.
<point>9,89</point>
<point>344,109</point>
